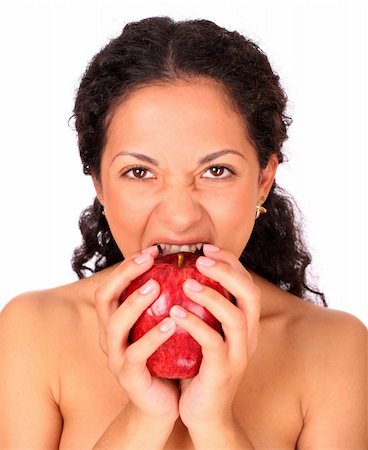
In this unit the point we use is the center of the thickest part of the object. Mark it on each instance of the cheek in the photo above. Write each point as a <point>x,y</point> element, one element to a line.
<point>233,216</point>
<point>128,215</point>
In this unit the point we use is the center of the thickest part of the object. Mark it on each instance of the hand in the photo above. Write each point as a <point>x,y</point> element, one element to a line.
<point>151,397</point>
<point>208,397</point>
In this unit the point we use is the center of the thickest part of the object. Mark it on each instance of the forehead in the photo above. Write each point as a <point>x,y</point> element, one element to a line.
<point>186,113</point>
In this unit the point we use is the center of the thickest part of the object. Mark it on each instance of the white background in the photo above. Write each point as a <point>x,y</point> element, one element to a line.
<point>320,50</point>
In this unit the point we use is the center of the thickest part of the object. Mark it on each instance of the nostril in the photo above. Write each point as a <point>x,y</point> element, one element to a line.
<point>179,212</point>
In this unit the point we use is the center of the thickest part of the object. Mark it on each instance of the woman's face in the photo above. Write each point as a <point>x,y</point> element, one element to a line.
<point>178,168</point>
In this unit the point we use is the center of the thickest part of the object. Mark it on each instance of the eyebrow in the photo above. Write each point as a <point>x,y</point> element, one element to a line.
<point>204,160</point>
<point>211,156</point>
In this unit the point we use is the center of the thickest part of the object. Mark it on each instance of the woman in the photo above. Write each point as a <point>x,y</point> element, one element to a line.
<point>181,127</point>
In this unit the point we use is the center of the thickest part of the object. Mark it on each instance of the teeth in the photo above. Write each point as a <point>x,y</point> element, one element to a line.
<point>180,248</point>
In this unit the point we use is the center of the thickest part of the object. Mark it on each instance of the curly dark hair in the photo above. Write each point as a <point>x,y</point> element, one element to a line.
<point>160,50</point>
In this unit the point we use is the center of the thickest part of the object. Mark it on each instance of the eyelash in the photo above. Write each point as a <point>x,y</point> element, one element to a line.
<point>142,168</point>
<point>221,166</point>
<point>132,178</point>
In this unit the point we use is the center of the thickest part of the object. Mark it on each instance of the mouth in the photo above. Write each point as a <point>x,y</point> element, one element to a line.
<point>169,249</point>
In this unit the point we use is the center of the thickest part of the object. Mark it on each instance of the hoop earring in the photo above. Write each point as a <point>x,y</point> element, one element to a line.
<point>260,209</point>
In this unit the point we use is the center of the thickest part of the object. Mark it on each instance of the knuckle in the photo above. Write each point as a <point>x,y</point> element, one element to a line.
<point>215,341</point>
<point>240,320</point>
<point>256,292</point>
<point>128,302</point>
<point>131,357</point>
<point>227,268</point>
<point>111,330</point>
<point>131,306</point>
<point>100,297</point>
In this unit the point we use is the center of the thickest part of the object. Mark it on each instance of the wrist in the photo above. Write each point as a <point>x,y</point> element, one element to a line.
<point>220,434</point>
<point>161,422</point>
<point>132,430</point>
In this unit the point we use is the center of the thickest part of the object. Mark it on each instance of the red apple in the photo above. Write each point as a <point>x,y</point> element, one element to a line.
<point>181,355</point>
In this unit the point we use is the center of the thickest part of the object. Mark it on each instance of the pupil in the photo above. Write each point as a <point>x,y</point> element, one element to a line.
<point>217,171</point>
<point>139,173</point>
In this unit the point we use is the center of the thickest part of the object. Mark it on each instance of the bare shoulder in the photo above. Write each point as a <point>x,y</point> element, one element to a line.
<point>39,328</point>
<point>50,319</point>
<point>29,386</point>
<point>39,311</point>
<point>309,329</point>
<point>325,331</point>
<point>55,307</point>
<point>330,343</point>
<point>42,323</point>
<point>33,323</point>
<point>39,332</point>
<point>329,338</point>
<point>333,358</point>
<point>33,306</point>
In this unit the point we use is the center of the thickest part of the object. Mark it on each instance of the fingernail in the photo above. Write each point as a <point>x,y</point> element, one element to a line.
<point>142,258</point>
<point>167,324</point>
<point>210,248</point>
<point>178,312</point>
<point>147,287</point>
<point>206,262</point>
<point>193,285</point>
<point>152,250</point>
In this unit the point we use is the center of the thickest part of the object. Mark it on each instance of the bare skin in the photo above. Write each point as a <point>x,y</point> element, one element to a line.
<point>285,400</point>
<point>178,167</point>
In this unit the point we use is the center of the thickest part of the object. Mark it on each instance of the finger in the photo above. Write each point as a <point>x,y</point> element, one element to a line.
<point>219,254</point>
<point>136,355</point>
<point>247,294</point>
<point>109,292</point>
<point>153,250</point>
<point>231,279</point>
<point>212,343</point>
<point>232,318</point>
<point>122,320</point>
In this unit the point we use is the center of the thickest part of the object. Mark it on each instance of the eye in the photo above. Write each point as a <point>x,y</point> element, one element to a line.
<point>218,172</point>
<point>138,173</point>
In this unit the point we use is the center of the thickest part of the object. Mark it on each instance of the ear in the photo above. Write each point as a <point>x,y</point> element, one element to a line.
<point>98,188</point>
<point>267,176</point>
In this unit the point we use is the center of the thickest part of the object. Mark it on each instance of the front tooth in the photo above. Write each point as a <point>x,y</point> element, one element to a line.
<point>180,248</point>
<point>173,248</point>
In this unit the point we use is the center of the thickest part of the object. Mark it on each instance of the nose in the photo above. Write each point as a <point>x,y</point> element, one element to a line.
<point>179,210</point>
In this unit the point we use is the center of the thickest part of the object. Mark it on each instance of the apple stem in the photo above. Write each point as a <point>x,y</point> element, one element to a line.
<point>180,260</point>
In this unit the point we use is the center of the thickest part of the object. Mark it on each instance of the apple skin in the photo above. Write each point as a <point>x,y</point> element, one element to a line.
<point>180,356</point>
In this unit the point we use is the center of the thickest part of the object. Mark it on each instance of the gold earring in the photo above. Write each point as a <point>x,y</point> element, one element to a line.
<point>103,212</point>
<point>260,209</point>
